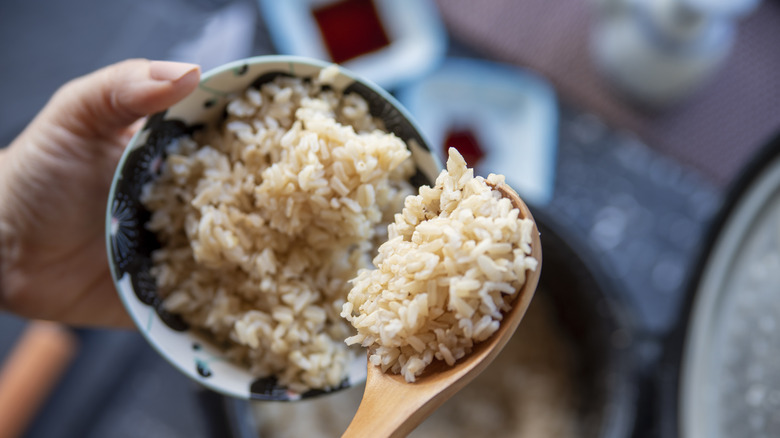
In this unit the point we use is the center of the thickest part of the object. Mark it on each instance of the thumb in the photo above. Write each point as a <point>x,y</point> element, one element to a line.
<point>108,100</point>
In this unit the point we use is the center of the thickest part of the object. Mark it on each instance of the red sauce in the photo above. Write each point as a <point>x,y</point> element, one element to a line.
<point>350,28</point>
<point>465,142</point>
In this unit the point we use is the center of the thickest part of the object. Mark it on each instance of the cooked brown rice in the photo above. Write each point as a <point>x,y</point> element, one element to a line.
<point>455,259</point>
<point>264,221</point>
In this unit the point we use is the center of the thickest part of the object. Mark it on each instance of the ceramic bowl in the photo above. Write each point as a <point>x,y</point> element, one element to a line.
<point>130,244</point>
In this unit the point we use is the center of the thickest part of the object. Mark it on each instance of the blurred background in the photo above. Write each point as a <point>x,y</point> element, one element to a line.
<point>631,127</point>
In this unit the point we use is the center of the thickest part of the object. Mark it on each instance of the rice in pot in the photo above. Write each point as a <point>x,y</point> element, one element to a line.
<point>264,221</point>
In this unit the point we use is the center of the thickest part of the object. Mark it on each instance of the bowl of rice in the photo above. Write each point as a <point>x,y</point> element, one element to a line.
<point>238,216</point>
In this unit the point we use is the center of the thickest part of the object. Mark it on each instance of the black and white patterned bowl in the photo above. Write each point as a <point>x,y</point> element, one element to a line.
<point>130,244</point>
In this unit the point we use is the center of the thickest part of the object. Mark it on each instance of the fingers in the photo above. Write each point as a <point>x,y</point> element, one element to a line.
<point>106,102</point>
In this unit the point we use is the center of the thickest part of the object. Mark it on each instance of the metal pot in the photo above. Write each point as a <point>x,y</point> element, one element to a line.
<point>590,314</point>
<point>721,371</point>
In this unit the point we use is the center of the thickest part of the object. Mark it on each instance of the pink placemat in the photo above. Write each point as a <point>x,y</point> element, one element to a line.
<point>715,131</point>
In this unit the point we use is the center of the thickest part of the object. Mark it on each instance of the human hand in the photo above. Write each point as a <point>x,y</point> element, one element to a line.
<point>54,183</point>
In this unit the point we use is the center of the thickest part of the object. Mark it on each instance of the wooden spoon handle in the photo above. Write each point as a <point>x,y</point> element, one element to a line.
<point>392,408</point>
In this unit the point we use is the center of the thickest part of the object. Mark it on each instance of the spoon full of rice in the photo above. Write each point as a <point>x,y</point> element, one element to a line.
<point>450,287</point>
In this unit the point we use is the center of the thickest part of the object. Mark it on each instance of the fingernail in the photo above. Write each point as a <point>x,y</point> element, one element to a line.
<point>170,71</point>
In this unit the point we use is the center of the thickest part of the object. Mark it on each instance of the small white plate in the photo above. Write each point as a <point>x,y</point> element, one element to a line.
<point>418,39</point>
<point>512,113</point>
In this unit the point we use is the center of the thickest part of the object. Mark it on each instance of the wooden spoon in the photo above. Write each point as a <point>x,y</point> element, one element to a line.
<point>392,407</point>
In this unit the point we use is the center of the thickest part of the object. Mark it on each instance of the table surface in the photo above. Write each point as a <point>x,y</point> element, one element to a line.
<point>641,210</point>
